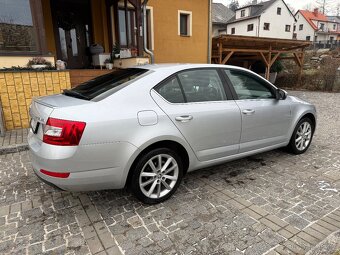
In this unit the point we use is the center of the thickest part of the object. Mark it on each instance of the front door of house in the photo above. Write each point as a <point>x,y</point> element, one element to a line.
<point>72,25</point>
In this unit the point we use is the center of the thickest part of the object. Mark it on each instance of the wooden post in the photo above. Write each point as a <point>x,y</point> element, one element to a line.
<point>301,60</point>
<point>220,48</point>
<point>269,61</point>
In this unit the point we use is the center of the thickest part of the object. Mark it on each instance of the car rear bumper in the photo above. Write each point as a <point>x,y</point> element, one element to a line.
<point>91,167</point>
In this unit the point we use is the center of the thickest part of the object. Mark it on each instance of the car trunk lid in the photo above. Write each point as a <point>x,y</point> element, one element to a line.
<point>42,108</point>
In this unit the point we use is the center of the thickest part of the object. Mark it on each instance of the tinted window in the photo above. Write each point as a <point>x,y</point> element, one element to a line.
<point>202,85</point>
<point>248,87</point>
<point>93,88</point>
<point>171,91</point>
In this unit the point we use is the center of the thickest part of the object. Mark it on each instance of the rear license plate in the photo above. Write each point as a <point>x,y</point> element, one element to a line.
<point>34,126</point>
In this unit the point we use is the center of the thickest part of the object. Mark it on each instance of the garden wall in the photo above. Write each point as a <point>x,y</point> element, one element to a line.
<point>17,88</point>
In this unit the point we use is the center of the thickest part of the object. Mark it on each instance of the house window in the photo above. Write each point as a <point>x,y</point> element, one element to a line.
<point>250,27</point>
<point>331,39</point>
<point>301,27</point>
<point>294,28</point>
<point>294,35</point>
<point>322,26</point>
<point>243,13</point>
<point>127,33</point>
<point>334,26</point>
<point>315,38</point>
<point>278,11</point>
<point>184,23</point>
<point>233,31</point>
<point>17,32</point>
<point>307,38</point>
<point>266,26</point>
<point>287,28</point>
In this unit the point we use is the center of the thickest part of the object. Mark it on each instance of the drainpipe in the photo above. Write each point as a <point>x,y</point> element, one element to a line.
<point>2,123</point>
<point>145,33</point>
<point>209,33</point>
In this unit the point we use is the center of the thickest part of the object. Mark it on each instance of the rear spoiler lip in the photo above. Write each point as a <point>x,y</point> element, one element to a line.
<point>44,103</point>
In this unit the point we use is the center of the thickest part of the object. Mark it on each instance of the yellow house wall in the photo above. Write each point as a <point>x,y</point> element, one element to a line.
<point>171,47</point>
<point>18,88</point>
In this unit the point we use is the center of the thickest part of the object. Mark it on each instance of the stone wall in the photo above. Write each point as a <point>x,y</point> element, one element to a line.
<point>18,88</point>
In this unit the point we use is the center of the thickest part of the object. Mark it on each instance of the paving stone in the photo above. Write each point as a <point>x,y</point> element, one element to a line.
<point>270,224</point>
<point>297,221</point>
<point>94,245</point>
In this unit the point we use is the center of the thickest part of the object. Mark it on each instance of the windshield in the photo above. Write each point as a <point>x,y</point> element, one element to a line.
<point>99,85</point>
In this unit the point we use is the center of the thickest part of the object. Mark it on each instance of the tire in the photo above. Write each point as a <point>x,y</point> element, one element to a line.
<point>149,184</point>
<point>296,146</point>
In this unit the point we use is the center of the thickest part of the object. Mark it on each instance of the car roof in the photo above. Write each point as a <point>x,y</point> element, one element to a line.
<point>178,67</point>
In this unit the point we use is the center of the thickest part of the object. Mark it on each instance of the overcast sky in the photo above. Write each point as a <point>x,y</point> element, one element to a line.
<point>296,4</point>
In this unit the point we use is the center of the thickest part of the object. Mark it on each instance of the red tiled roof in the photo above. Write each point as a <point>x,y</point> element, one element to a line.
<point>316,15</point>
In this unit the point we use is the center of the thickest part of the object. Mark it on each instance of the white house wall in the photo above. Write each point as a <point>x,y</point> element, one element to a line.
<point>242,26</point>
<point>277,22</point>
<point>307,28</point>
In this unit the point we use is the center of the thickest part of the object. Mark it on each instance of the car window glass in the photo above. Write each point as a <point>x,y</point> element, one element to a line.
<point>248,87</point>
<point>202,85</point>
<point>171,91</point>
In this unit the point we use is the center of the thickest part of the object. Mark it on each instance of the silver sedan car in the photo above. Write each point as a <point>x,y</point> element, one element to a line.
<point>145,127</point>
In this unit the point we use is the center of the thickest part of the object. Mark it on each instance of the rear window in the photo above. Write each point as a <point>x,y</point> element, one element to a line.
<point>99,85</point>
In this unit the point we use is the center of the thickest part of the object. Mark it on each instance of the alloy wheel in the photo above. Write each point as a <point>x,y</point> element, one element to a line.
<point>303,136</point>
<point>158,176</point>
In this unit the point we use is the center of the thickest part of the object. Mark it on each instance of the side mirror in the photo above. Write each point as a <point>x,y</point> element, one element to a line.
<point>281,94</point>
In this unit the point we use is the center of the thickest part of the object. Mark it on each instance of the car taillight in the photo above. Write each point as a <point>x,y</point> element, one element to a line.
<point>63,132</point>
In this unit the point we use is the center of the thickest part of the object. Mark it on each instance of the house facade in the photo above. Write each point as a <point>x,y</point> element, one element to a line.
<point>271,19</point>
<point>177,30</point>
<point>315,26</point>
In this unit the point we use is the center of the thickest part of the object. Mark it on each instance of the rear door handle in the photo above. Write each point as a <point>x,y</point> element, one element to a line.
<point>248,111</point>
<point>185,118</point>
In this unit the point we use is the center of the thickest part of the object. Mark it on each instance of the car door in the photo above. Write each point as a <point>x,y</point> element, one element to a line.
<point>196,102</point>
<point>265,120</point>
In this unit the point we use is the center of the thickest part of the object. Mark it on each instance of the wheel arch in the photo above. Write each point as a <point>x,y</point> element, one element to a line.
<point>167,143</point>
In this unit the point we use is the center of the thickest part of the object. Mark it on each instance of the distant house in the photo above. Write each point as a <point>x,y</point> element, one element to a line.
<point>271,19</point>
<point>335,20</point>
<point>315,26</point>
<point>220,17</point>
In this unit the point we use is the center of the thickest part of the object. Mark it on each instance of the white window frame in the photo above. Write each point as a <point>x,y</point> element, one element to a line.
<point>150,8</point>
<point>189,13</point>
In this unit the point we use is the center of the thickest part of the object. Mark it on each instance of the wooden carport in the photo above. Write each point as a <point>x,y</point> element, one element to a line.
<point>249,49</point>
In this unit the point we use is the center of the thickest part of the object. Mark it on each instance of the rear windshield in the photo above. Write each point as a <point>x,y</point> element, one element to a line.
<point>99,85</point>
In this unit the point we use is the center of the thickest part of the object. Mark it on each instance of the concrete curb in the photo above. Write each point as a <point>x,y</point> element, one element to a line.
<point>330,245</point>
<point>13,148</point>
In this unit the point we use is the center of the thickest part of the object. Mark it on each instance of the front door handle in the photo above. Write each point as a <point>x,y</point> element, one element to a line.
<point>185,118</point>
<point>248,111</point>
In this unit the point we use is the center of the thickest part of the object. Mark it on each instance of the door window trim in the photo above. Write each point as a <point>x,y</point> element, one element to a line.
<point>233,91</point>
<point>225,86</point>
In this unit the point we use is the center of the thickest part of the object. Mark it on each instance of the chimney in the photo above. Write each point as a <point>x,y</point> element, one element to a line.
<point>316,10</point>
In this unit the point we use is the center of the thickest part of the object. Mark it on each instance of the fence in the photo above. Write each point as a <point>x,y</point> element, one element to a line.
<point>327,44</point>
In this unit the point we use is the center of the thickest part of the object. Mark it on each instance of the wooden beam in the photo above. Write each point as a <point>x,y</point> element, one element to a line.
<point>274,58</point>
<point>297,59</point>
<point>225,60</point>
<point>264,58</point>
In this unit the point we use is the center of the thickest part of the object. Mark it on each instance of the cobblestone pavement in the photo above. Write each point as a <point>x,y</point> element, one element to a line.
<point>271,203</point>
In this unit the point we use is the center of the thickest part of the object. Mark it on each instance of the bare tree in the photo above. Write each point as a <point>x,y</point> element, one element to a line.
<point>234,5</point>
<point>326,6</point>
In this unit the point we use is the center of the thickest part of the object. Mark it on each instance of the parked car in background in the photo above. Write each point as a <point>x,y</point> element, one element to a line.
<point>146,127</point>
